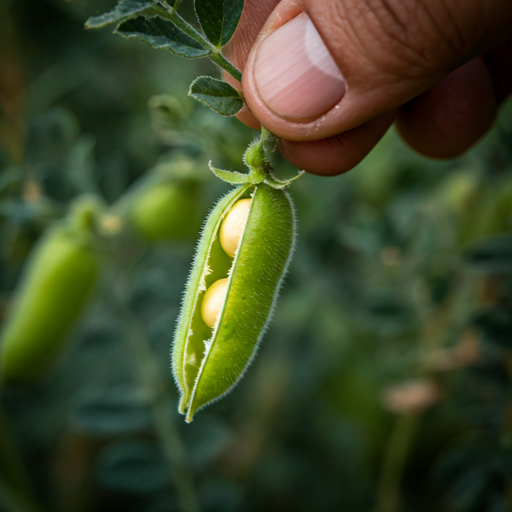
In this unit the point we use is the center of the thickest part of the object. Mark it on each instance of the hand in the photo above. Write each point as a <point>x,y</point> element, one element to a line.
<point>329,77</point>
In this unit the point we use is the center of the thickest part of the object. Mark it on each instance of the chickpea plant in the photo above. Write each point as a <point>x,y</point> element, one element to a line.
<point>247,240</point>
<point>60,277</point>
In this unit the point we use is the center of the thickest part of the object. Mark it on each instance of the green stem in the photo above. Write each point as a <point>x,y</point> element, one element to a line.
<point>224,63</point>
<point>216,56</point>
<point>395,459</point>
<point>176,5</point>
<point>149,375</point>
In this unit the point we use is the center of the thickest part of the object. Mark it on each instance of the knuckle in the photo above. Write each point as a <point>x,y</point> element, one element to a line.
<point>397,37</point>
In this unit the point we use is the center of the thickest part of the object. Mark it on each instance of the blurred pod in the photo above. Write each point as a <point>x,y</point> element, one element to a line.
<point>164,206</point>
<point>55,287</point>
<point>166,211</point>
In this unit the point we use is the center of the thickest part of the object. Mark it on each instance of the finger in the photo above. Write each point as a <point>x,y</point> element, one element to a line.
<point>499,63</point>
<point>338,154</point>
<point>449,118</point>
<point>321,67</point>
<point>253,18</point>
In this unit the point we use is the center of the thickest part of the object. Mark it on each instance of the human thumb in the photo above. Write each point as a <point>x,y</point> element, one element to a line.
<point>322,67</point>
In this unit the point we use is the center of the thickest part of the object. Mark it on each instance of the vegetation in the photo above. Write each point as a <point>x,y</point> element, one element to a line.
<point>383,382</point>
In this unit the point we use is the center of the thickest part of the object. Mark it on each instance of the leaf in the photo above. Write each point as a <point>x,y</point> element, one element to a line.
<point>233,177</point>
<point>217,95</point>
<point>162,34</point>
<point>494,256</point>
<point>219,19</point>
<point>124,10</point>
<point>279,184</point>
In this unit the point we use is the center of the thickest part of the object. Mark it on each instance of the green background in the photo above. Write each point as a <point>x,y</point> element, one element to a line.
<point>383,383</point>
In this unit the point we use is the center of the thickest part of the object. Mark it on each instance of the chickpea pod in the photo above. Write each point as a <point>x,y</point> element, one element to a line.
<point>248,239</point>
<point>164,212</point>
<point>241,259</point>
<point>163,205</point>
<point>54,291</point>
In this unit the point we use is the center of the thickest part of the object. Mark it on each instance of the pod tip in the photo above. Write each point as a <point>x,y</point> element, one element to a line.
<point>182,407</point>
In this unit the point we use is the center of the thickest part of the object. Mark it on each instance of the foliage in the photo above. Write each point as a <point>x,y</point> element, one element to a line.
<point>384,381</point>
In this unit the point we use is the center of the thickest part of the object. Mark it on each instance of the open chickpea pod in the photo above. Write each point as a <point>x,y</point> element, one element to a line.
<point>240,262</point>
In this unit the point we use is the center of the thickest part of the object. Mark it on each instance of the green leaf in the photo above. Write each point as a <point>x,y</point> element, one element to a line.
<point>279,184</point>
<point>233,177</point>
<point>162,34</point>
<point>124,10</point>
<point>219,19</point>
<point>217,95</point>
<point>493,256</point>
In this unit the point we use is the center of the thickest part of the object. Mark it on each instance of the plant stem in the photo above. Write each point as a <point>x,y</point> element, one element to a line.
<point>395,458</point>
<point>224,63</point>
<point>216,56</point>
<point>149,375</point>
<point>176,5</point>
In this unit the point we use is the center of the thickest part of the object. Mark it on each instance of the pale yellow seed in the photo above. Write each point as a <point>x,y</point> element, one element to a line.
<point>233,226</point>
<point>212,302</point>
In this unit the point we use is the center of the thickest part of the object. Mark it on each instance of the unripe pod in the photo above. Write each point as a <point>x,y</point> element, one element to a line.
<point>208,360</point>
<point>164,204</point>
<point>165,211</point>
<point>54,290</point>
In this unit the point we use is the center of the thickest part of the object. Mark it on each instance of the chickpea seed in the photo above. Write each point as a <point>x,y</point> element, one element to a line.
<point>213,300</point>
<point>233,226</point>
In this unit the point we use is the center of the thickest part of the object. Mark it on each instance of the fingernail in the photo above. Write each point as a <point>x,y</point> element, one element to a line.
<point>295,74</point>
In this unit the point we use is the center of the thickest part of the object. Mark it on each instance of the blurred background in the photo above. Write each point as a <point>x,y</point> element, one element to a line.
<point>383,383</point>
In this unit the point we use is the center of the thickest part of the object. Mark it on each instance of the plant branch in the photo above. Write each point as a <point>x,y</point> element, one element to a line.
<point>225,64</point>
<point>216,56</point>
<point>161,409</point>
<point>395,458</point>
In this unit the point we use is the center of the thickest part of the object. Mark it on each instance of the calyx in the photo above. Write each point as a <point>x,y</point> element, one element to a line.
<point>260,170</point>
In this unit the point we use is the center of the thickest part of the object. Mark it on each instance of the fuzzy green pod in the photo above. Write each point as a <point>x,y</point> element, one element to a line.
<point>208,362</point>
<point>54,290</point>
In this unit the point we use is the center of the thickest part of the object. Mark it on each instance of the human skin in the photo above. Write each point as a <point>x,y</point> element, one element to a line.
<point>329,77</point>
